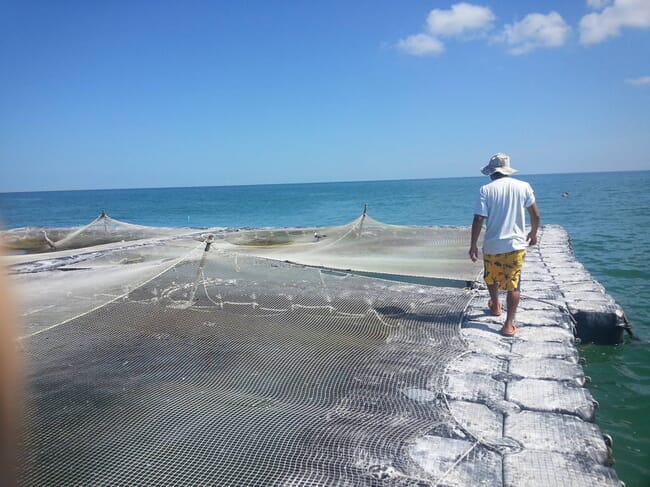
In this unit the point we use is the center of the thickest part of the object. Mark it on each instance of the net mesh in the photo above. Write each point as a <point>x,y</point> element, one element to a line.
<point>101,230</point>
<point>234,369</point>
<point>367,245</point>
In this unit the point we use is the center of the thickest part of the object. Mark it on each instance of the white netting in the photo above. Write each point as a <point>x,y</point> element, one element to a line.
<point>209,360</point>
<point>369,246</point>
<point>101,230</point>
<point>131,254</point>
<point>231,369</point>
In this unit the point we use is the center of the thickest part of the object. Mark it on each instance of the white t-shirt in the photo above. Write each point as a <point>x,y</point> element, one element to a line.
<point>504,202</point>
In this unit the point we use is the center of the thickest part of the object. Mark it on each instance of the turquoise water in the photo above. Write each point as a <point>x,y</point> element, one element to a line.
<point>607,215</point>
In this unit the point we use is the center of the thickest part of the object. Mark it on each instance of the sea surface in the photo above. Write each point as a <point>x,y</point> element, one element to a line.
<point>606,214</point>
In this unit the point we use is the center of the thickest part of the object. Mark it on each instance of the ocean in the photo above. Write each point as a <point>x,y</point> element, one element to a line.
<point>606,214</point>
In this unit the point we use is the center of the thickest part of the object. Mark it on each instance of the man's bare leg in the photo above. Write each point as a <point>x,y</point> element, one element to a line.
<point>512,302</point>
<point>494,297</point>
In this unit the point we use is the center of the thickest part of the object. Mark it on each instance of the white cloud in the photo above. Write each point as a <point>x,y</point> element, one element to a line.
<point>642,81</point>
<point>598,26</point>
<point>535,31</point>
<point>460,19</point>
<point>598,4</point>
<point>421,45</point>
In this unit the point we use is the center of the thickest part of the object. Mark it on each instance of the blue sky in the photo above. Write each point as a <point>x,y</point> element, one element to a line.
<point>119,94</point>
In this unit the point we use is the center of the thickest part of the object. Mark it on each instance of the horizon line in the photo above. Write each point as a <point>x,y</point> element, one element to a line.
<point>309,182</point>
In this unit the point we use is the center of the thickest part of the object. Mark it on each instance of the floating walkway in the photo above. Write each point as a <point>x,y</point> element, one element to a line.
<point>525,397</point>
<point>182,363</point>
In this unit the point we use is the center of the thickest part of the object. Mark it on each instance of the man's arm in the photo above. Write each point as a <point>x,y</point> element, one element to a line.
<point>477,225</point>
<point>533,211</point>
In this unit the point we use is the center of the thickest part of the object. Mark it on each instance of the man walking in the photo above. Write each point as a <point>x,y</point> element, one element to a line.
<point>503,202</point>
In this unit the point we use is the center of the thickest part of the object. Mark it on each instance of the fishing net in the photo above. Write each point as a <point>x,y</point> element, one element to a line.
<point>101,230</point>
<point>370,247</point>
<point>224,368</point>
<point>365,246</point>
<point>293,357</point>
<point>106,259</point>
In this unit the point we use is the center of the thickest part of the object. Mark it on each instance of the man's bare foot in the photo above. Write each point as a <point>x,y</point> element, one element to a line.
<point>509,330</point>
<point>496,310</point>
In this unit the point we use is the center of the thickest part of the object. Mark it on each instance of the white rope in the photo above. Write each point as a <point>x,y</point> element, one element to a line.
<point>478,438</point>
<point>70,236</point>
<point>376,313</point>
<point>353,227</point>
<point>328,307</point>
<point>278,310</point>
<point>455,464</point>
<point>207,294</point>
<point>241,303</point>
<point>322,281</point>
<point>455,419</point>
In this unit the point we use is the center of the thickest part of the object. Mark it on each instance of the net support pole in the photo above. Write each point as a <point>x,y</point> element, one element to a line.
<point>49,242</point>
<point>363,217</point>
<point>199,271</point>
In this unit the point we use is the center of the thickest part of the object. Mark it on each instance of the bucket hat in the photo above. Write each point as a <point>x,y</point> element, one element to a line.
<point>499,163</point>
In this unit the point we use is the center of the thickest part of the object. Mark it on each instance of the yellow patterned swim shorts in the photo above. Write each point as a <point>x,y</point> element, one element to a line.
<point>504,269</point>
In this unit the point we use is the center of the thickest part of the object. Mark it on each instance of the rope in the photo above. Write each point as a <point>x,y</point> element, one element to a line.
<point>354,226</point>
<point>455,464</point>
<point>207,294</point>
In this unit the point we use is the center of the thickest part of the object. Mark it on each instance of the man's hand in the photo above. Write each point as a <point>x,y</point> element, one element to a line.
<point>473,253</point>
<point>477,224</point>
<point>533,211</point>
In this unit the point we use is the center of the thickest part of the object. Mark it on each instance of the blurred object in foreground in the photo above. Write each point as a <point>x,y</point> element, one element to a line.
<point>9,399</point>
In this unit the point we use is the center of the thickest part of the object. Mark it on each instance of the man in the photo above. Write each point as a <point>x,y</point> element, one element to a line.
<point>503,202</point>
